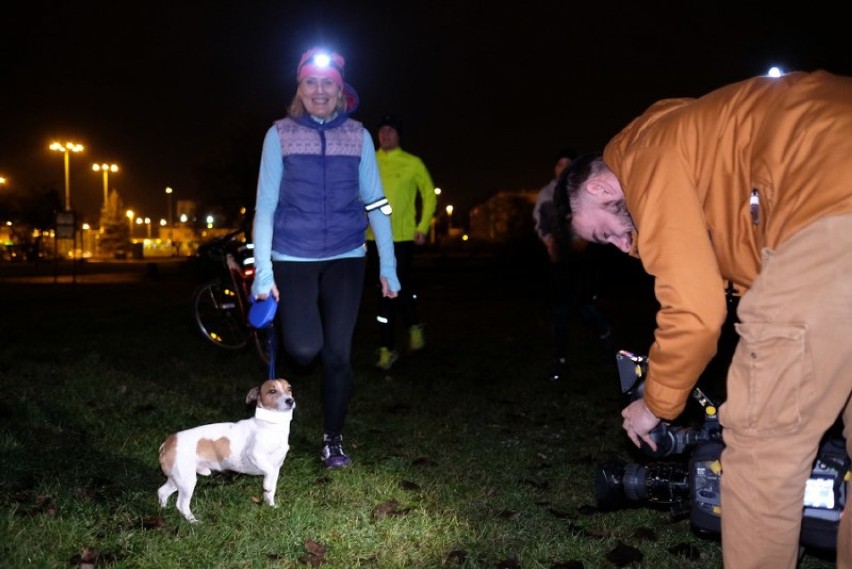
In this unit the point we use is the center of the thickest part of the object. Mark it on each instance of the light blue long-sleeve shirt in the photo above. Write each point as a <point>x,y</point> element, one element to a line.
<point>268,186</point>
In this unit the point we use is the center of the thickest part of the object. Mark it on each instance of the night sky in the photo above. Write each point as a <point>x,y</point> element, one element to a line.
<point>180,93</point>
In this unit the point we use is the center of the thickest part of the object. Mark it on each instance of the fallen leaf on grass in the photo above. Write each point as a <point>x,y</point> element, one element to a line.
<point>587,510</point>
<point>540,485</point>
<point>389,508</point>
<point>423,461</point>
<point>457,556</point>
<point>508,514</point>
<point>316,553</point>
<point>623,555</point>
<point>509,563</point>
<point>583,532</point>
<point>43,505</point>
<point>568,565</point>
<point>87,559</point>
<point>645,534</point>
<point>685,550</point>
<point>153,522</point>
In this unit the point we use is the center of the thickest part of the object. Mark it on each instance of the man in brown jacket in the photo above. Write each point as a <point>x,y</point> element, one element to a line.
<point>750,184</point>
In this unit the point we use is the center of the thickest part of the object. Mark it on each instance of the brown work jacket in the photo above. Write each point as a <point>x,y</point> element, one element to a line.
<point>711,182</point>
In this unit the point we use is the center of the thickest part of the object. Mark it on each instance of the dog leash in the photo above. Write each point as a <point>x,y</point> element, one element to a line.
<point>271,349</point>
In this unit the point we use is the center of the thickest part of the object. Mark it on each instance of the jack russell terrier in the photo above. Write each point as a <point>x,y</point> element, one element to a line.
<point>252,446</point>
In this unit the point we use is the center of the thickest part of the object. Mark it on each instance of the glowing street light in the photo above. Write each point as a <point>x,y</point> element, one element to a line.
<point>147,222</point>
<point>437,191</point>
<point>449,216</point>
<point>130,221</point>
<point>106,169</point>
<point>66,149</point>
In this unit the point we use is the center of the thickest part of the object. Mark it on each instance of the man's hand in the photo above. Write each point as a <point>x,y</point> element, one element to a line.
<point>419,238</point>
<point>638,422</point>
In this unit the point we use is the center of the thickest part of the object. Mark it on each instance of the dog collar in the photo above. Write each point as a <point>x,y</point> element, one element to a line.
<point>271,416</point>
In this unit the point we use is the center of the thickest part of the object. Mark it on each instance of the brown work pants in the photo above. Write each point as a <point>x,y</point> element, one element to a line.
<point>789,380</point>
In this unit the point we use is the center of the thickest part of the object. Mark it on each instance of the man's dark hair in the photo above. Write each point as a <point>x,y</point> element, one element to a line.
<point>567,187</point>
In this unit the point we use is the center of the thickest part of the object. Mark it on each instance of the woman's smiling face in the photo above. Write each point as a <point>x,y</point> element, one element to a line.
<point>320,96</point>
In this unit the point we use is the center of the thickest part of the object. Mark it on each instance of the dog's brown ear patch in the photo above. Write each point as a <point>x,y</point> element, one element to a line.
<point>253,395</point>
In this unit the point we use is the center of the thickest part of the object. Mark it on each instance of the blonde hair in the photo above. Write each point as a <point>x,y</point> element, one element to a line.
<point>297,109</point>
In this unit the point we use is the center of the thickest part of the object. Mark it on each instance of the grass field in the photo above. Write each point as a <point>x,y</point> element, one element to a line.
<point>465,456</point>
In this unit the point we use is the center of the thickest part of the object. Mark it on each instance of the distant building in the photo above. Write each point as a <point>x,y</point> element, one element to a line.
<point>506,216</point>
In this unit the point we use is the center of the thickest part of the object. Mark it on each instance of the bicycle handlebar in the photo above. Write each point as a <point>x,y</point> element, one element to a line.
<point>216,248</point>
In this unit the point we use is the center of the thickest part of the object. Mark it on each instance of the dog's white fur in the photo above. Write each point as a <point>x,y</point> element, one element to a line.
<point>257,446</point>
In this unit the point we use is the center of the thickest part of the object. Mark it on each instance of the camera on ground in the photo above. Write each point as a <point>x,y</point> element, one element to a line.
<point>685,477</point>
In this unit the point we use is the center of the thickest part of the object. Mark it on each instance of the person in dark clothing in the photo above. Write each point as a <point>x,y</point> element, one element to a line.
<point>571,274</point>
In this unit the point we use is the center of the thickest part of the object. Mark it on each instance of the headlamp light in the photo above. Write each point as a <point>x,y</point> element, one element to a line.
<point>322,60</point>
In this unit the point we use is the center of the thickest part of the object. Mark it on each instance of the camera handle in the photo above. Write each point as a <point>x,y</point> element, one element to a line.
<point>675,440</point>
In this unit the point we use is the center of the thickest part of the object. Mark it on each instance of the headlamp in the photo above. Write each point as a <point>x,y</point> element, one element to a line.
<point>321,61</point>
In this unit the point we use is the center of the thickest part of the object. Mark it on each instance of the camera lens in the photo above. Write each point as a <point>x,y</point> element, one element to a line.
<point>609,486</point>
<point>635,476</point>
<point>618,483</point>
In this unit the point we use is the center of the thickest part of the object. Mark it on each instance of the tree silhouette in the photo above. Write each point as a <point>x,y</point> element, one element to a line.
<point>115,234</point>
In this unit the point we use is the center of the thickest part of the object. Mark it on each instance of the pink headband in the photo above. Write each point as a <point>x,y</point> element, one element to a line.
<point>317,62</point>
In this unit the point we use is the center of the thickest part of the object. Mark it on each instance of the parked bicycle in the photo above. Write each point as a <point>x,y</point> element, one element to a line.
<point>220,306</point>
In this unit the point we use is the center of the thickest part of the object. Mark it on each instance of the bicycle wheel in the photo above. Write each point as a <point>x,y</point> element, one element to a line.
<point>218,316</point>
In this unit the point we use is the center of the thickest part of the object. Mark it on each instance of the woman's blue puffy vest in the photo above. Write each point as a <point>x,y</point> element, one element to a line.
<point>320,212</point>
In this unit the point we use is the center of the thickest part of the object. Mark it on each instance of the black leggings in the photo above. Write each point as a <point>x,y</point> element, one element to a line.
<point>317,312</point>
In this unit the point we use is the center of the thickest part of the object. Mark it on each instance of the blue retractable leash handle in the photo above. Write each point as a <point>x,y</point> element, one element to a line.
<point>261,315</point>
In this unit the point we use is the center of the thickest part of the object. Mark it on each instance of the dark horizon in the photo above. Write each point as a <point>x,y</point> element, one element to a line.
<point>180,94</point>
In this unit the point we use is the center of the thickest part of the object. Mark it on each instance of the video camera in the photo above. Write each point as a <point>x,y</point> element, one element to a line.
<point>691,484</point>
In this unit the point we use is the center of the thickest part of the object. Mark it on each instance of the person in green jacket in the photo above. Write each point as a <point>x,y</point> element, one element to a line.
<point>404,177</point>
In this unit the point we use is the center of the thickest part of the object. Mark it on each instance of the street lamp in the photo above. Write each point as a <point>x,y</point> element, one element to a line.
<point>65,149</point>
<point>106,169</point>
<point>169,204</point>
<point>130,222</point>
<point>449,216</point>
<point>148,226</point>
